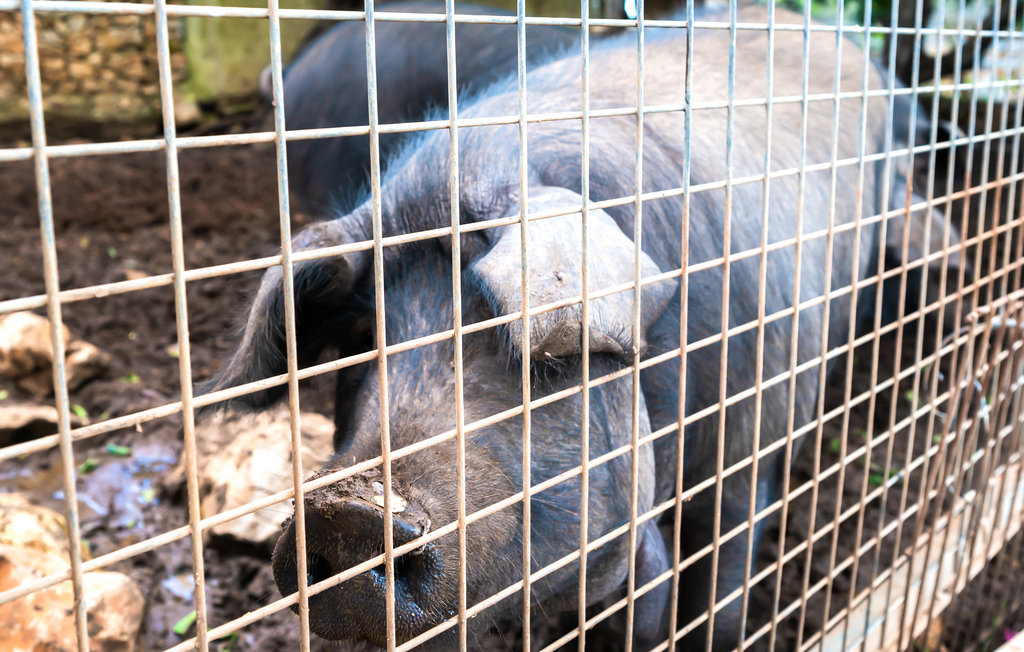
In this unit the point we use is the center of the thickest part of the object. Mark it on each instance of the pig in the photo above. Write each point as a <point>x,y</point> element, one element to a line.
<point>325,86</point>
<point>916,235</point>
<point>984,171</point>
<point>336,302</point>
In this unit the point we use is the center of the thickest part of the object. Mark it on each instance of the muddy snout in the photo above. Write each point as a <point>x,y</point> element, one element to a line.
<point>345,528</point>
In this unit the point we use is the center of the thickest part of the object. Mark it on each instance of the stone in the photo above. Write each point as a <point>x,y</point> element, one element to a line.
<point>89,84</point>
<point>25,525</point>
<point>11,59</point>
<point>24,421</point>
<point>245,457</point>
<point>33,544</point>
<point>26,354</point>
<point>79,69</point>
<point>79,47</point>
<point>51,42</point>
<point>124,37</point>
<point>128,65</point>
<point>186,111</point>
<point>45,620</point>
<point>25,343</point>
<point>75,22</point>
<point>84,362</point>
<point>50,65</point>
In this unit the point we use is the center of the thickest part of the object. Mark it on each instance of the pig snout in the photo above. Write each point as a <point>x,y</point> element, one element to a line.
<point>344,528</point>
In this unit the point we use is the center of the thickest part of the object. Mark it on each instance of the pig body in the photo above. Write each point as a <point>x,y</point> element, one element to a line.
<point>325,86</point>
<point>335,299</point>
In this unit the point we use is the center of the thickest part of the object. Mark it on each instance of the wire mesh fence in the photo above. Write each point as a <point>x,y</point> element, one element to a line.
<point>696,331</point>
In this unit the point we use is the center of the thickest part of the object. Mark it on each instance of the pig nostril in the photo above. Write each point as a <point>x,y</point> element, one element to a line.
<point>317,569</point>
<point>402,568</point>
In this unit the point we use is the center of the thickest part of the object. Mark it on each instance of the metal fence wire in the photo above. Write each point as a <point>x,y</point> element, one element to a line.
<point>770,391</point>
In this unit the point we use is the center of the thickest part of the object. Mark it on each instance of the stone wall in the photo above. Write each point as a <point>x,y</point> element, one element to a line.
<point>93,67</point>
<point>100,76</point>
<point>99,71</point>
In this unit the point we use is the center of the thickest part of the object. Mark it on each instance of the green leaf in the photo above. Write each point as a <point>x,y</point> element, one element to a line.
<point>835,446</point>
<point>182,626</point>
<point>876,479</point>
<point>120,451</point>
<point>4,394</point>
<point>80,411</point>
<point>148,495</point>
<point>230,641</point>
<point>88,466</point>
<point>131,378</point>
<point>911,396</point>
<point>111,252</point>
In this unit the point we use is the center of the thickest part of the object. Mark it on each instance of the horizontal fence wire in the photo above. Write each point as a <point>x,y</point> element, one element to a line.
<point>925,460</point>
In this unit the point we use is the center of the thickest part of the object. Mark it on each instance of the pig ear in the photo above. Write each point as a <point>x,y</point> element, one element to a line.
<point>555,261</point>
<point>322,288</point>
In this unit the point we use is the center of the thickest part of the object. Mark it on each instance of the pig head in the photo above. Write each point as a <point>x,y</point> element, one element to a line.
<point>345,520</point>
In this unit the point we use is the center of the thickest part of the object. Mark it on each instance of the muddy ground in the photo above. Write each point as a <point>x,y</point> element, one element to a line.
<point>111,224</point>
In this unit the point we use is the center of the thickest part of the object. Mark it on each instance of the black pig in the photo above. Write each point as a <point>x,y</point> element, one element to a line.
<point>325,86</point>
<point>919,235</point>
<point>335,300</point>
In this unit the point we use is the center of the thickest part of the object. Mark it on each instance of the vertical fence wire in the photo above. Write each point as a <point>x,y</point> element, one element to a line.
<point>1007,375</point>
<point>948,425</point>
<point>762,277</point>
<point>889,474</point>
<point>53,311</point>
<point>527,459</point>
<point>181,321</point>
<point>1015,215</point>
<point>723,360</point>
<point>824,342</point>
<point>932,391</point>
<point>794,339</point>
<point>1003,186</point>
<point>584,538</point>
<point>824,345</point>
<point>1016,414</point>
<point>381,334</point>
<point>886,435</point>
<point>460,399</point>
<point>684,287</point>
<point>291,345</point>
<point>985,289</point>
<point>638,188</point>
<point>964,443</point>
<point>851,357</point>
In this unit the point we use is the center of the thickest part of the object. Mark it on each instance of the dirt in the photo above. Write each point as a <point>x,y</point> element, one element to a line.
<point>111,223</point>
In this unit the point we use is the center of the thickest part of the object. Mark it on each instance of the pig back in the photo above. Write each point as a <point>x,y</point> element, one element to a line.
<point>809,220</point>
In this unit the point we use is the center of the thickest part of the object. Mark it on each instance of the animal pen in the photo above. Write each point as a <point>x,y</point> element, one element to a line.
<point>874,425</point>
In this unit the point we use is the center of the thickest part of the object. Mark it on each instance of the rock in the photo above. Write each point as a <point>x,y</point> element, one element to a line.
<point>186,111</point>
<point>24,421</point>
<point>26,354</point>
<point>245,457</point>
<point>33,544</point>
<point>24,525</point>
<point>45,620</point>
